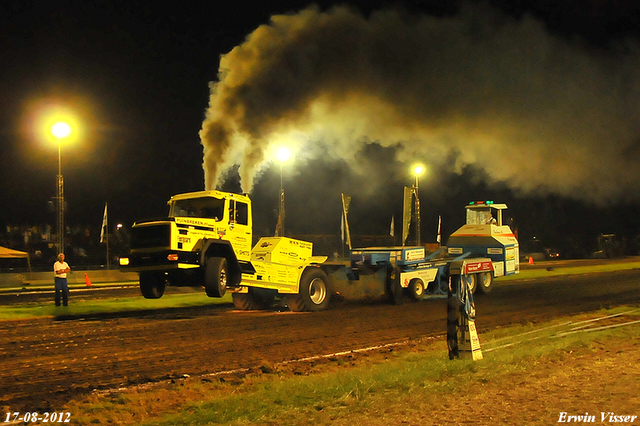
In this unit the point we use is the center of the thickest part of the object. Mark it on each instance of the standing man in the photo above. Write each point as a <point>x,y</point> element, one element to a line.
<point>61,268</point>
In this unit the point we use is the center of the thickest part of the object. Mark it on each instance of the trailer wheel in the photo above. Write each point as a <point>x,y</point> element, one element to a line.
<point>215,276</point>
<point>485,282</point>
<point>416,288</point>
<point>152,284</point>
<point>471,281</point>
<point>314,294</point>
<point>255,299</point>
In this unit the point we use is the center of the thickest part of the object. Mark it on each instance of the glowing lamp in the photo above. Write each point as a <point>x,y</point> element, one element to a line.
<point>61,130</point>
<point>283,154</point>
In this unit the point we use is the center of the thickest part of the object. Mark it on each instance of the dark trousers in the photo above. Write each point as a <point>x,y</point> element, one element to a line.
<point>62,288</point>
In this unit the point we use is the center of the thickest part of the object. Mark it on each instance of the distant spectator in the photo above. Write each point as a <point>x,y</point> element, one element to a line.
<point>61,268</point>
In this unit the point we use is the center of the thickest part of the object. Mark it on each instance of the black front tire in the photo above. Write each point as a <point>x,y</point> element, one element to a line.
<point>215,276</point>
<point>314,293</point>
<point>152,284</point>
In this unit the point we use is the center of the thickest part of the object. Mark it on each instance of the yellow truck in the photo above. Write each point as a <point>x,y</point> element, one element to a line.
<point>206,241</point>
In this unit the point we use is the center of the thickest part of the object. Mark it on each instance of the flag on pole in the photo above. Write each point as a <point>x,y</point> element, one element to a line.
<point>104,224</point>
<point>407,212</point>
<point>439,238</point>
<point>392,230</point>
<point>346,200</point>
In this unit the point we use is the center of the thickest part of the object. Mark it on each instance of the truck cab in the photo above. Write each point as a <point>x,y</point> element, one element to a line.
<point>207,214</point>
<point>200,226</point>
<point>484,234</point>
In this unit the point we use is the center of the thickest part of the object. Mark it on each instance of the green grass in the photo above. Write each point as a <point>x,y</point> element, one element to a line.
<point>568,270</point>
<point>338,391</point>
<point>79,306</point>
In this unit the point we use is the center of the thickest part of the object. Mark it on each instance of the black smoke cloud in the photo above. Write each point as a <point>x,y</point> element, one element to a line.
<point>538,112</point>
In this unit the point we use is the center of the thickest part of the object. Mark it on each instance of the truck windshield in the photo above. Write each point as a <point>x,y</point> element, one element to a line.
<point>206,207</point>
<point>479,216</point>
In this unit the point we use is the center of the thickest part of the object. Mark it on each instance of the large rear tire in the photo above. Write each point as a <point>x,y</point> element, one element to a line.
<point>152,284</point>
<point>314,293</point>
<point>255,299</point>
<point>215,276</point>
<point>485,282</point>
<point>393,288</point>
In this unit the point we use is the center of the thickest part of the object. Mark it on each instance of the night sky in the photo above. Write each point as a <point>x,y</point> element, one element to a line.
<point>531,103</point>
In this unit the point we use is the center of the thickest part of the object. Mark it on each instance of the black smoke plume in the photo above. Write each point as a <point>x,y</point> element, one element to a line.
<point>539,112</point>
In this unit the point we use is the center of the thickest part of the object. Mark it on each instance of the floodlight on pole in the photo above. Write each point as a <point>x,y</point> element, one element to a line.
<point>60,130</point>
<point>283,155</point>
<point>418,171</point>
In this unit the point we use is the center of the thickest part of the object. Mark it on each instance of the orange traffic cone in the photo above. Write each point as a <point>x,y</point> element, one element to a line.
<point>86,278</point>
<point>530,260</point>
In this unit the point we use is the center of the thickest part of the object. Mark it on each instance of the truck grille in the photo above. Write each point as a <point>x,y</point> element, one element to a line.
<point>152,236</point>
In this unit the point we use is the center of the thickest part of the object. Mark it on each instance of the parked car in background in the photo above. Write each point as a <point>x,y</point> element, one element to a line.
<point>551,253</point>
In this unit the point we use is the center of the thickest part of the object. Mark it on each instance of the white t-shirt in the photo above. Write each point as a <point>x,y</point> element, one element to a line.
<point>58,266</point>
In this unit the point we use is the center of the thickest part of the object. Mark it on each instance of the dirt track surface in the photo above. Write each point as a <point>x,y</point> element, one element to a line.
<point>47,362</point>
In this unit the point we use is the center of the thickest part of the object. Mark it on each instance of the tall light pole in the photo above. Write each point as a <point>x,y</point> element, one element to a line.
<point>283,155</point>
<point>417,171</point>
<point>60,130</point>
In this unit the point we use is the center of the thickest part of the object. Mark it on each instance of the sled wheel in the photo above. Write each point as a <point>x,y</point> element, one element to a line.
<point>485,282</point>
<point>471,281</point>
<point>416,288</point>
